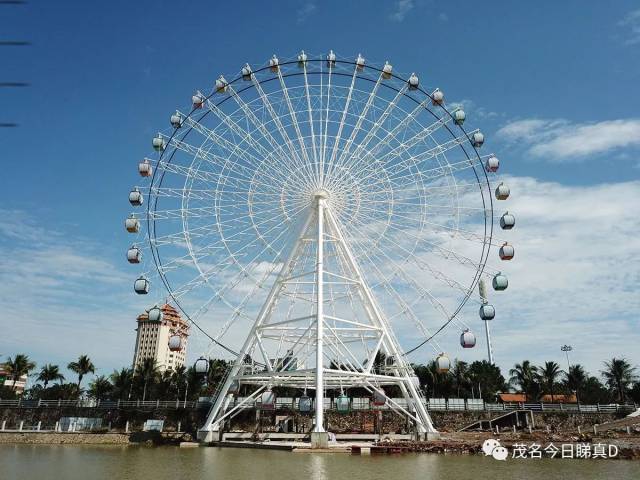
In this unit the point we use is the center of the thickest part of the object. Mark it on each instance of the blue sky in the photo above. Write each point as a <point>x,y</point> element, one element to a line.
<point>552,84</point>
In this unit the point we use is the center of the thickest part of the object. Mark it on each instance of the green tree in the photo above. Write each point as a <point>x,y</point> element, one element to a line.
<point>81,367</point>
<point>548,376</point>
<point>179,375</point>
<point>460,377</point>
<point>100,388</point>
<point>147,373</point>
<point>575,379</point>
<point>17,367</point>
<point>122,382</point>
<point>49,373</point>
<point>488,378</point>
<point>619,375</point>
<point>524,376</point>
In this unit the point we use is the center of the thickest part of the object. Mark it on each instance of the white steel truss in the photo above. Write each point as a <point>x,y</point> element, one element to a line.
<point>325,336</point>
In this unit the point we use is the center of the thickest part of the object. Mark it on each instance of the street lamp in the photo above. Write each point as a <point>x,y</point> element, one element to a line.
<point>566,349</point>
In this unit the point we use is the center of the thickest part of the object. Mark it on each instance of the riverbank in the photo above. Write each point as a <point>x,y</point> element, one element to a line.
<point>93,438</point>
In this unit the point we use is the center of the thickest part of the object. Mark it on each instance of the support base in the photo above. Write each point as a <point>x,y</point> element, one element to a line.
<point>319,440</point>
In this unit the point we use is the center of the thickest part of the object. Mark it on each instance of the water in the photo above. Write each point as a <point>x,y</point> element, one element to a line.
<point>75,462</point>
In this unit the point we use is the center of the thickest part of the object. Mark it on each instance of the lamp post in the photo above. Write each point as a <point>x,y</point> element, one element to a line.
<point>566,349</point>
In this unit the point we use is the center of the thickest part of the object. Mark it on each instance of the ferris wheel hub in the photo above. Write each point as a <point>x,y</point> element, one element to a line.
<point>320,194</point>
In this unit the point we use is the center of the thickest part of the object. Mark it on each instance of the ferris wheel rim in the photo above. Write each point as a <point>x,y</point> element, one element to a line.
<point>475,156</point>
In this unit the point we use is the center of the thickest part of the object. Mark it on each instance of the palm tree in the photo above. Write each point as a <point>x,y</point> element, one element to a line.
<point>179,377</point>
<point>548,375</point>
<point>49,373</point>
<point>100,388</point>
<point>122,382</point>
<point>17,367</point>
<point>147,371</point>
<point>619,375</point>
<point>524,376</point>
<point>460,375</point>
<point>81,368</point>
<point>575,379</point>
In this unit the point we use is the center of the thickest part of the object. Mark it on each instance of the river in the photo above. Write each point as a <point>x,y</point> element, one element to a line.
<point>81,462</point>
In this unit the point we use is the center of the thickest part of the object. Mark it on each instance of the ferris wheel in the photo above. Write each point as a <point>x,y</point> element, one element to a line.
<point>314,215</point>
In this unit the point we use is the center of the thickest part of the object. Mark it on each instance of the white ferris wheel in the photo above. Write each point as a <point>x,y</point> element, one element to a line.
<point>315,215</point>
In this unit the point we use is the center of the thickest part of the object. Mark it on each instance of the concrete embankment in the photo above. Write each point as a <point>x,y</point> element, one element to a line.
<point>94,438</point>
<point>58,438</point>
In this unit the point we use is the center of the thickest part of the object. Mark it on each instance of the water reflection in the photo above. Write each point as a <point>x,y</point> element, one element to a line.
<point>45,462</point>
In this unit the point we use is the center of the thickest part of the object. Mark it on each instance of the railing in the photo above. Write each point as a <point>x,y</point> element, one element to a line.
<point>433,404</point>
<point>105,404</point>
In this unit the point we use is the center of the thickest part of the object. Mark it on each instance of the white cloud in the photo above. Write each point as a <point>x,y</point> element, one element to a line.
<point>575,275</point>
<point>561,140</point>
<point>631,24</point>
<point>401,9</point>
<point>61,297</point>
<point>305,11</point>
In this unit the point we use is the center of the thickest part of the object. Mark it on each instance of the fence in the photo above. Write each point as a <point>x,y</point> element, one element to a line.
<point>434,404</point>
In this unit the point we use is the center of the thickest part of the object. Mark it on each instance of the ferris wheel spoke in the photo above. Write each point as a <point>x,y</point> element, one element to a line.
<point>341,125</point>
<point>264,131</point>
<point>233,148</point>
<point>294,120</point>
<point>248,138</point>
<point>361,118</point>
<point>423,292</point>
<point>406,309</point>
<point>371,134</point>
<point>276,120</point>
<point>310,115</point>
<point>424,156</point>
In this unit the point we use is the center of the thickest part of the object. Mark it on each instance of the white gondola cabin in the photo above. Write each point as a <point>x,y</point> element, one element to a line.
<point>502,191</point>
<point>135,197</point>
<point>132,224</point>
<point>360,63</point>
<point>500,282</point>
<point>141,286</point>
<point>175,343</point>
<point>198,100</point>
<point>201,366</point>
<point>492,164</point>
<point>221,84</point>
<point>234,387</point>
<point>506,251</point>
<point>343,404</point>
<point>487,312</point>
<point>477,139</point>
<point>155,314</point>
<point>274,64</point>
<point>507,221</point>
<point>443,364</point>
<point>459,117</point>
<point>379,398</point>
<point>413,82</point>
<point>331,59</point>
<point>176,120</point>
<point>144,168</point>
<point>158,143</point>
<point>387,70</point>
<point>268,400</point>
<point>134,255</point>
<point>467,339</point>
<point>246,73</point>
<point>437,98</point>
<point>302,59</point>
<point>304,404</point>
